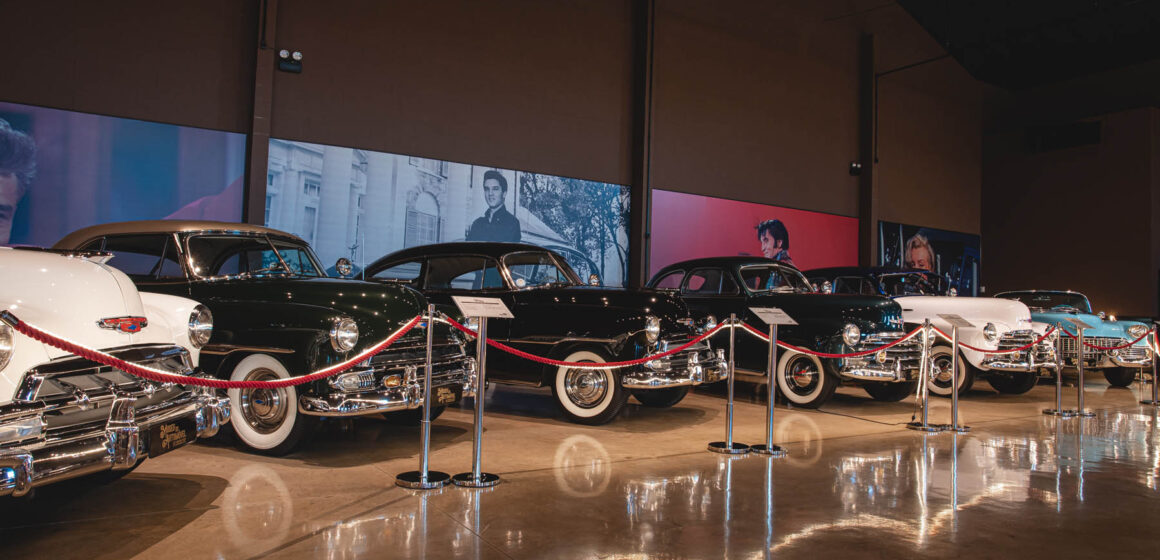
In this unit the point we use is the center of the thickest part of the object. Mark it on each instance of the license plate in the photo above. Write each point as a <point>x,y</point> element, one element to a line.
<point>167,436</point>
<point>446,394</point>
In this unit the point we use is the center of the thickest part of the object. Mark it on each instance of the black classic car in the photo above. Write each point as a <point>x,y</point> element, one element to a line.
<point>277,315</point>
<point>559,317</point>
<point>720,286</point>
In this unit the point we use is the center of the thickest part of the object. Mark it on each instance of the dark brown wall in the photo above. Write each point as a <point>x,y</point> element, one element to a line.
<point>189,63</point>
<point>524,84</point>
<point>1079,218</point>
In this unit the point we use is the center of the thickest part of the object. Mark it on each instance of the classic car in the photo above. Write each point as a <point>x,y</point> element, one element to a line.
<point>1057,307</point>
<point>558,316</point>
<point>832,324</point>
<point>277,315</point>
<point>63,416</point>
<point>996,325</point>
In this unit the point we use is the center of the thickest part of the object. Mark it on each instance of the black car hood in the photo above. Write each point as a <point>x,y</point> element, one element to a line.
<point>620,302</point>
<point>870,313</point>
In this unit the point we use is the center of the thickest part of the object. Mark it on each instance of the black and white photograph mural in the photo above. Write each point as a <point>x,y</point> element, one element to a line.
<point>361,205</point>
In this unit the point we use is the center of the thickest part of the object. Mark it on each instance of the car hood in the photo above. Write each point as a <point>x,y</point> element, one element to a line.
<point>665,305</point>
<point>871,313</point>
<point>1005,314</point>
<point>377,308</point>
<point>1100,327</point>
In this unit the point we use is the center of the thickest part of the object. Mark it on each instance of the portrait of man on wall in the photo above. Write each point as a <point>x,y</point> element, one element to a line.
<point>497,223</point>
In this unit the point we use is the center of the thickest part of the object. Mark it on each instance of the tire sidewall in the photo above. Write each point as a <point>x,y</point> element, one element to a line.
<point>242,430</point>
<point>818,394</point>
<point>594,414</point>
<point>935,389</point>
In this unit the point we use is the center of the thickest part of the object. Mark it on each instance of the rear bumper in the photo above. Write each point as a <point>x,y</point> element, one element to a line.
<point>122,442</point>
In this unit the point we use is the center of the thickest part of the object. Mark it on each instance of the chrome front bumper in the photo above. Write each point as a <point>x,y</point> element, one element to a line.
<point>696,366</point>
<point>896,364</point>
<point>449,387</point>
<point>864,370</point>
<point>118,445</point>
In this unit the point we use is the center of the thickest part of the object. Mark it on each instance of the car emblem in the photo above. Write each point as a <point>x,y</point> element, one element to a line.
<point>124,324</point>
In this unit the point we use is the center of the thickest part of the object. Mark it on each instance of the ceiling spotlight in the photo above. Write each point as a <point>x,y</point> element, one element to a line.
<point>290,61</point>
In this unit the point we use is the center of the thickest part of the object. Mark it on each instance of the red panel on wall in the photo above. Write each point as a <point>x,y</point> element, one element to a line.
<point>689,226</point>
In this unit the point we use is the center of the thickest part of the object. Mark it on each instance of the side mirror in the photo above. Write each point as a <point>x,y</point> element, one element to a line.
<point>1102,315</point>
<point>952,291</point>
<point>343,267</point>
<point>593,279</point>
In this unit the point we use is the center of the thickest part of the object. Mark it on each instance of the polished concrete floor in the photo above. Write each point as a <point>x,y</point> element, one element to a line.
<point>856,484</point>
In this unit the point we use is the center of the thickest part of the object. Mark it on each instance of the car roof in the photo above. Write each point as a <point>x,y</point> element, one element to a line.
<point>492,249</point>
<point>1070,292</point>
<point>862,270</point>
<point>163,226</point>
<point>735,260</point>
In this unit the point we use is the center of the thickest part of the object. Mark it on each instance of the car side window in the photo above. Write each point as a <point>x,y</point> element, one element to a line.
<point>462,273</point>
<point>144,257</point>
<point>405,271</point>
<point>670,281</point>
<point>847,285</point>
<point>709,281</point>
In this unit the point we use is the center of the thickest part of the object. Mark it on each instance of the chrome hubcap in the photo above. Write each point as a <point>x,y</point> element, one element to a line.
<point>585,387</point>
<point>942,370</point>
<point>264,410</point>
<point>802,375</point>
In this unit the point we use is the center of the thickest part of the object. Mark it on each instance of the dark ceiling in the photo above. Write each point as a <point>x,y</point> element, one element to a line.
<point>1018,44</point>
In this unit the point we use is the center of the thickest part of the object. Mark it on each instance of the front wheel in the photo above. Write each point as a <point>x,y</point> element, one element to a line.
<point>803,380</point>
<point>660,398</point>
<point>1120,376</point>
<point>588,396</point>
<point>266,421</point>
<point>1013,384</point>
<point>940,357</point>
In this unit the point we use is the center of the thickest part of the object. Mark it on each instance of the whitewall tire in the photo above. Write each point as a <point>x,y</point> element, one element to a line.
<point>803,380</point>
<point>588,396</point>
<point>266,421</point>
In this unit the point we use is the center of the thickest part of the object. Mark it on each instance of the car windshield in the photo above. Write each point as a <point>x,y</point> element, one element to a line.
<point>1052,301</point>
<point>774,278</point>
<point>234,256</point>
<point>911,284</point>
<point>537,270</point>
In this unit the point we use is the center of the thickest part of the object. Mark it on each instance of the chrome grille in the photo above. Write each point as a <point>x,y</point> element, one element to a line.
<point>1011,340</point>
<point>1069,345</point>
<point>409,357</point>
<point>909,353</point>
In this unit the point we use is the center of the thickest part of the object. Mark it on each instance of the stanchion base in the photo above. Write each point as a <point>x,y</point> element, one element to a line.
<point>414,480</point>
<point>774,451</point>
<point>1085,413</point>
<point>468,480</point>
<point>1151,402</point>
<point>1060,413</point>
<point>722,447</point>
<point>952,428</point>
<point>929,428</point>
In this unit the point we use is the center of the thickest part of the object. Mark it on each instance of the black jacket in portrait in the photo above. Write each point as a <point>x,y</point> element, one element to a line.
<point>501,226</point>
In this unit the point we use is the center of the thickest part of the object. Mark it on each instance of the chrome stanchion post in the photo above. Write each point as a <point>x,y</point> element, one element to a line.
<point>1058,410</point>
<point>1079,347</point>
<point>424,479</point>
<point>954,425</point>
<point>729,446</point>
<point>477,478</point>
<point>768,448</point>
<point>925,375</point>
<point>1152,350</point>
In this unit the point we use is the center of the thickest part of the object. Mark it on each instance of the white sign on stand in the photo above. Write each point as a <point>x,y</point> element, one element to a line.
<point>955,320</point>
<point>482,307</point>
<point>773,316</point>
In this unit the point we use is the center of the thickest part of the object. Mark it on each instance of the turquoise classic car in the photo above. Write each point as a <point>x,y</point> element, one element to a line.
<point>1120,366</point>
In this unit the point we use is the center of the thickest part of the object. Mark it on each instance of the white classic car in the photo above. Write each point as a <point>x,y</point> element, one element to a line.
<point>995,325</point>
<point>63,416</point>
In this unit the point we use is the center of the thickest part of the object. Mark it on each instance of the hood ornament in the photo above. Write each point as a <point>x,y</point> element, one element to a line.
<point>128,325</point>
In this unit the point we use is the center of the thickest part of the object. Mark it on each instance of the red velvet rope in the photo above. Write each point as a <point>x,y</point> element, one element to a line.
<point>584,365</point>
<point>1009,351</point>
<point>801,350</point>
<point>166,377</point>
<point>1096,347</point>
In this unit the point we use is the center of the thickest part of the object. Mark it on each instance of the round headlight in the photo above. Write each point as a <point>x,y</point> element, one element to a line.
<point>851,334</point>
<point>344,334</point>
<point>652,328</point>
<point>990,332</point>
<point>709,323</point>
<point>1136,331</point>
<point>200,326</point>
<point>7,344</point>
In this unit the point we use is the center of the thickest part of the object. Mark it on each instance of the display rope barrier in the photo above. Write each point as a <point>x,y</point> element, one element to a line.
<point>1037,341</point>
<point>762,336</point>
<point>161,376</point>
<point>1106,348</point>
